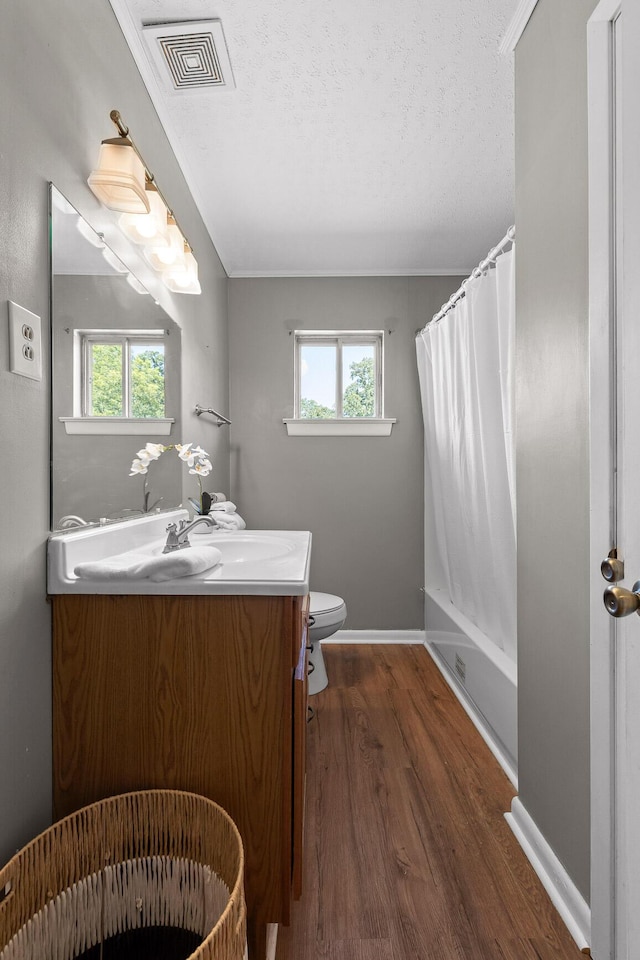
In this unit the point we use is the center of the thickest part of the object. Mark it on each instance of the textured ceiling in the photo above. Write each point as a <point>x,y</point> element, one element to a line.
<point>364,137</point>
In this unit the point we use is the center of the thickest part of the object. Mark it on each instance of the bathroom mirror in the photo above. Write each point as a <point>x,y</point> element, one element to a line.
<point>115,381</point>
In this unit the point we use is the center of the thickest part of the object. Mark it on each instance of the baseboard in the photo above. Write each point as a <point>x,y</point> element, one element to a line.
<point>564,894</point>
<point>478,720</point>
<point>377,636</point>
<point>272,940</point>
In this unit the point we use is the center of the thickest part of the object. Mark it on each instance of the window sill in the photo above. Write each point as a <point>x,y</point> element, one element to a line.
<point>116,426</point>
<point>339,428</point>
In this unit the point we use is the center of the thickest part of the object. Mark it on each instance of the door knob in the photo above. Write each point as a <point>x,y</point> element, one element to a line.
<point>612,569</point>
<point>620,602</point>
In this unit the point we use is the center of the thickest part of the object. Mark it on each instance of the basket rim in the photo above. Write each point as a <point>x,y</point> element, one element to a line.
<point>236,894</point>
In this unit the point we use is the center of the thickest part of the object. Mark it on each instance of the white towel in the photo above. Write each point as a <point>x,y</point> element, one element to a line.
<point>140,566</point>
<point>228,521</point>
<point>225,506</point>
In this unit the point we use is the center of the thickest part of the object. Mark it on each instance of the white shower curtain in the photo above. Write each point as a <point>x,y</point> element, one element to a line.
<point>465,365</point>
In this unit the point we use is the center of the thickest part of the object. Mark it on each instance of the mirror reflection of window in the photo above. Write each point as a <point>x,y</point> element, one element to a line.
<point>123,376</point>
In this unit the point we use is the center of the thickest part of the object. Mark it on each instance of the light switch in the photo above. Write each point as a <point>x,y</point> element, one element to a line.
<point>25,342</point>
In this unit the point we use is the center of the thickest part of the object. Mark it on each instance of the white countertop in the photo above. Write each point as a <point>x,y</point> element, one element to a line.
<point>254,562</point>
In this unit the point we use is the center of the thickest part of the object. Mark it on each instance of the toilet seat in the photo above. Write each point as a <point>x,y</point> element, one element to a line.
<point>329,613</point>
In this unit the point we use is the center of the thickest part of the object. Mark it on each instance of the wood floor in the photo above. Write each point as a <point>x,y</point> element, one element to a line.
<point>408,854</point>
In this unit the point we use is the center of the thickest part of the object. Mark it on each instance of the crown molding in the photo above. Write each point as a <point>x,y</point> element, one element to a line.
<point>516,27</point>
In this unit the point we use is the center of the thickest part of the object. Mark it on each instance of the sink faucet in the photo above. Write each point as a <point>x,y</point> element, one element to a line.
<point>178,536</point>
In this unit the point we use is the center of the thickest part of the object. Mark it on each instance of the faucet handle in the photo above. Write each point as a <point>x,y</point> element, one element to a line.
<point>172,539</point>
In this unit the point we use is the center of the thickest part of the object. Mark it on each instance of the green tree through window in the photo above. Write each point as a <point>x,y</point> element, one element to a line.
<point>143,372</point>
<point>106,380</point>
<point>311,409</point>
<point>147,382</point>
<point>359,397</point>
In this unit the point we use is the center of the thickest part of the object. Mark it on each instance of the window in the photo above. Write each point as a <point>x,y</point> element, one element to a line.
<point>123,375</point>
<point>338,376</point>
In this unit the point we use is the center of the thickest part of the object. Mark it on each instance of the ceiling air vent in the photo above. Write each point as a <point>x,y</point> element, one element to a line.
<point>189,55</point>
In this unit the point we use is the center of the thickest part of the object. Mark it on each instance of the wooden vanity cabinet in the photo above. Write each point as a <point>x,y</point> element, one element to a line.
<point>200,693</point>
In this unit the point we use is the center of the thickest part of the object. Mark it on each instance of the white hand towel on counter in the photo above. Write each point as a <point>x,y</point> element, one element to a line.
<point>184,563</point>
<point>228,521</point>
<point>140,566</point>
<point>225,506</point>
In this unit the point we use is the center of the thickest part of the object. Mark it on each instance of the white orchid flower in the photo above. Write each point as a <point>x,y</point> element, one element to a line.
<point>184,450</point>
<point>188,453</point>
<point>194,457</point>
<point>139,467</point>
<point>152,451</point>
<point>202,468</point>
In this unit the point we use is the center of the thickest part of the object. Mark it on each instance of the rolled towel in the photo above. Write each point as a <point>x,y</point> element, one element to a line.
<point>225,506</point>
<point>140,566</point>
<point>229,521</point>
<point>183,563</point>
<point>122,566</point>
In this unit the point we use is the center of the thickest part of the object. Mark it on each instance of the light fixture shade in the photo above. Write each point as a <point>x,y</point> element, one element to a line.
<point>133,281</point>
<point>161,257</point>
<point>114,261</point>
<point>147,228</point>
<point>119,179</point>
<point>183,277</point>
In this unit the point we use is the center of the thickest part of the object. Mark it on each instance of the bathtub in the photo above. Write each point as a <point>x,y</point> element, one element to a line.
<point>481,675</point>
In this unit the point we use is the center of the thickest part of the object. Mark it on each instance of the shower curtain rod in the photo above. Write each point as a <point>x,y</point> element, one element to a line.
<point>509,237</point>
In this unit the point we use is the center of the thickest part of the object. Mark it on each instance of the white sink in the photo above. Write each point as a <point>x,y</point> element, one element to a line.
<point>251,547</point>
<point>243,546</point>
<point>262,562</point>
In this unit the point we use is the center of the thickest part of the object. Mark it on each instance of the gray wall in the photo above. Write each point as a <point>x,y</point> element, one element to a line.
<point>63,66</point>
<point>362,498</point>
<point>552,428</point>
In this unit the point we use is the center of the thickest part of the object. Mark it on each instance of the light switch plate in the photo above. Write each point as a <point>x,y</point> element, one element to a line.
<point>25,342</point>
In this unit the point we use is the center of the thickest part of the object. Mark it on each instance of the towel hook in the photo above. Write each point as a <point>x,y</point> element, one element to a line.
<point>220,420</point>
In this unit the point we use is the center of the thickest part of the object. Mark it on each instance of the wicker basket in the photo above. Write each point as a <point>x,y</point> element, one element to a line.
<point>152,859</point>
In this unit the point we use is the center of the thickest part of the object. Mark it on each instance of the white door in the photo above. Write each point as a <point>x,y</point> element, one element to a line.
<point>614,238</point>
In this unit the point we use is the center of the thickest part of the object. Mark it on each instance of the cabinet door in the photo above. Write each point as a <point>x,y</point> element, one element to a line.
<point>300,700</point>
<point>183,693</point>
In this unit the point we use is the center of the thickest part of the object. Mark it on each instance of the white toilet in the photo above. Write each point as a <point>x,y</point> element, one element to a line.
<point>327,613</point>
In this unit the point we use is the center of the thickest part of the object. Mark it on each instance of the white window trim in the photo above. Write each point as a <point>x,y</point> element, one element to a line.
<point>79,423</point>
<point>340,426</point>
<point>117,426</point>
<point>125,338</point>
<point>348,427</point>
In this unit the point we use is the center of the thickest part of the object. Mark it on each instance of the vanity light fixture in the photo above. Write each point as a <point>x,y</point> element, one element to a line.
<point>124,183</point>
<point>163,256</point>
<point>182,277</point>
<point>147,228</point>
<point>118,180</point>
